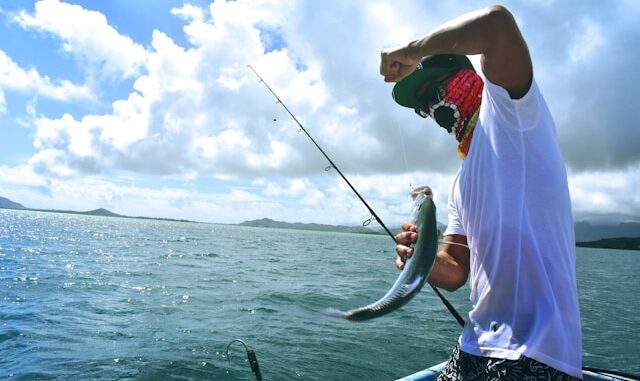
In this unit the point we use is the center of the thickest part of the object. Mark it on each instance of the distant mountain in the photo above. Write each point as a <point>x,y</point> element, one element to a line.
<point>613,243</point>
<point>269,223</point>
<point>8,204</point>
<point>5,203</point>
<point>586,231</point>
<point>102,212</point>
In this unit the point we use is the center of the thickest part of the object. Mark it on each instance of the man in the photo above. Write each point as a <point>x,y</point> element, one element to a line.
<point>509,203</point>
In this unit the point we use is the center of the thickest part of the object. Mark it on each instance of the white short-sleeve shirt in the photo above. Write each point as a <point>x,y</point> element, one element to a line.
<point>511,200</point>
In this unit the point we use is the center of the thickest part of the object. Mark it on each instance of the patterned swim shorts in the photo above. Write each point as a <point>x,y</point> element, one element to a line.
<point>466,367</point>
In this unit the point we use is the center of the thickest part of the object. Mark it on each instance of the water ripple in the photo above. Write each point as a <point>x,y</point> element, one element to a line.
<point>87,297</point>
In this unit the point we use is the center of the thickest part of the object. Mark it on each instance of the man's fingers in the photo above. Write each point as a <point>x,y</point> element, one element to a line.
<point>388,66</point>
<point>391,78</point>
<point>409,227</point>
<point>402,254</point>
<point>384,69</point>
<point>406,238</point>
<point>403,251</point>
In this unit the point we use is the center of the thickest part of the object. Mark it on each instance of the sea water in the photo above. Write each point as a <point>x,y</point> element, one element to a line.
<point>100,298</point>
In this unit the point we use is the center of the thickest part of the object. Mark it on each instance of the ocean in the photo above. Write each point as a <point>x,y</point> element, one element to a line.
<point>103,298</point>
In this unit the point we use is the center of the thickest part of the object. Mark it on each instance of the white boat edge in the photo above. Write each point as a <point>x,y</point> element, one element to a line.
<point>431,374</point>
<point>425,374</point>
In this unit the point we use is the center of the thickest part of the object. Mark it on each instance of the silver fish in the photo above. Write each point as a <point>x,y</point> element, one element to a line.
<point>413,276</point>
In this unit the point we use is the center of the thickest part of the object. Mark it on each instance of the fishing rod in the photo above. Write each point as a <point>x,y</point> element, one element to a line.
<point>332,164</point>
<point>451,309</point>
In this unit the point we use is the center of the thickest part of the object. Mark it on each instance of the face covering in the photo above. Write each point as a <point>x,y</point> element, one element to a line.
<point>455,106</point>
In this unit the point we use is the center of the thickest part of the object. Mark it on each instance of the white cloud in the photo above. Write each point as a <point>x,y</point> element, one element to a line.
<point>189,13</point>
<point>3,102</point>
<point>118,195</point>
<point>603,194</point>
<point>191,110</point>
<point>22,175</point>
<point>596,196</point>
<point>301,190</point>
<point>87,35</point>
<point>227,142</point>
<point>15,78</point>
<point>199,112</point>
<point>52,162</point>
<point>588,40</point>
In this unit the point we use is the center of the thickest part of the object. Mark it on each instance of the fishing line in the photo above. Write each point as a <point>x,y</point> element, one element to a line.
<point>455,243</point>
<point>451,309</point>
<point>404,153</point>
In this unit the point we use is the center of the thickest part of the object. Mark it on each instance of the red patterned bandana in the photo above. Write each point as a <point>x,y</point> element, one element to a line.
<point>457,106</point>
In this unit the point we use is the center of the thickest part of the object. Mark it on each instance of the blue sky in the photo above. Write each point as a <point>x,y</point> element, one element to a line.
<point>147,107</point>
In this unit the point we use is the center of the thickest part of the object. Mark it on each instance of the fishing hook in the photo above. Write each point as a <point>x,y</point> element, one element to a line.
<point>251,356</point>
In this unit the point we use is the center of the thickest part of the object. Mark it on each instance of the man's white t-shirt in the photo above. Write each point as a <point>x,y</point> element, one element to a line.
<point>511,200</point>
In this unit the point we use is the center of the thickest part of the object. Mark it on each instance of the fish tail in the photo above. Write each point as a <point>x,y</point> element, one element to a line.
<point>334,312</point>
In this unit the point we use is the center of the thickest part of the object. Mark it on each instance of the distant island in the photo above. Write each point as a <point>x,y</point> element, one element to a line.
<point>623,236</point>
<point>5,203</point>
<point>269,223</point>
<point>622,243</point>
<point>8,204</point>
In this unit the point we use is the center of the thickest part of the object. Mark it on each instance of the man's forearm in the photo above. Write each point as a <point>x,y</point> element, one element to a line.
<point>472,33</point>
<point>447,273</point>
<point>491,32</point>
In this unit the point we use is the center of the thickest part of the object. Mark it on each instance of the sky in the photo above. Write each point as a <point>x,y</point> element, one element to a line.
<point>148,108</point>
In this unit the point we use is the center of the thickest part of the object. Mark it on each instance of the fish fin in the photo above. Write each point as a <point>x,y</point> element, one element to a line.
<point>334,312</point>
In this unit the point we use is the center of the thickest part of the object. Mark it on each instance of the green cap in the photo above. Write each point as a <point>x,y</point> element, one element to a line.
<point>413,90</point>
